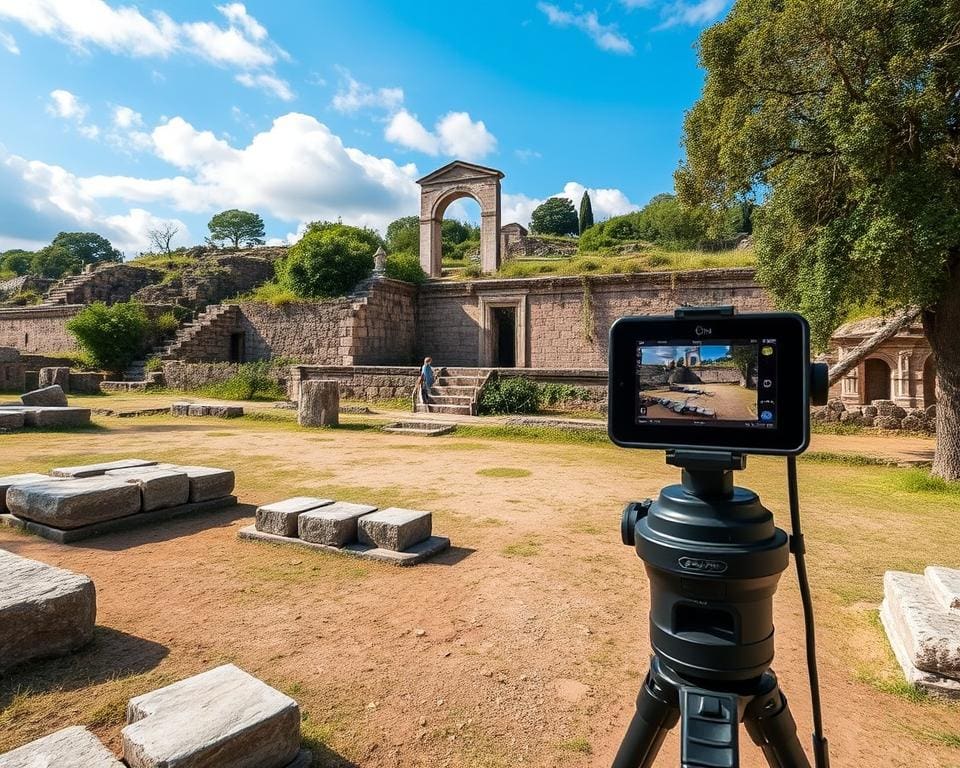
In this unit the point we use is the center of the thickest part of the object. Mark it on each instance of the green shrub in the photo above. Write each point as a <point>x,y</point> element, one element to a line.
<point>554,394</point>
<point>154,365</point>
<point>272,293</point>
<point>406,267</point>
<point>510,395</point>
<point>112,336</point>
<point>327,262</point>
<point>252,381</point>
<point>167,324</point>
<point>472,270</point>
<point>24,298</point>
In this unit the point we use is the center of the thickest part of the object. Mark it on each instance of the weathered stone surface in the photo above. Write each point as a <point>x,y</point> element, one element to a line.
<point>226,411</point>
<point>73,503</point>
<point>92,470</point>
<point>280,518</point>
<point>931,633</point>
<point>944,583</point>
<point>197,409</point>
<point>180,409</point>
<point>205,482</point>
<point>52,395</point>
<point>11,419</point>
<point>59,376</point>
<point>44,611</point>
<point>395,528</point>
<point>318,404</point>
<point>73,747</point>
<point>335,525</point>
<point>927,681</point>
<point>8,481</point>
<point>223,717</point>
<point>56,417</point>
<point>86,383</point>
<point>159,488</point>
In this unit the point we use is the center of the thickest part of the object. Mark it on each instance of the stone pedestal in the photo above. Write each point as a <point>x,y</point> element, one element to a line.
<point>59,376</point>
<point>319,404</point>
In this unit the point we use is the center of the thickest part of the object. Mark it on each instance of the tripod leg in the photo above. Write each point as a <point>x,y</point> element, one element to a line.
<point>657,712</point>
<point>771,726</point>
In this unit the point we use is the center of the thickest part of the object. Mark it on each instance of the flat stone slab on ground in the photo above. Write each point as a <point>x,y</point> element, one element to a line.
<point>159,488</point>
<point>414,555</point>
<point>280,517</point>
<point>91,470</point>
<point>933,684</point>
<point>52,395</point>
<point>11,419</point>
<point>943,582</point>
<point>74,502</point>
<point>206,483</point>
<point>73,747</point>
<point>223,717</point>
<point>930,633</point>
<point>56,417</point>
<point>8,481</point>
<point>44,611</point>
<point>335,525</point>
<point>395,528</point>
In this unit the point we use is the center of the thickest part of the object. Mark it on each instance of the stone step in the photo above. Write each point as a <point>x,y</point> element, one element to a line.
<point>472,372</point>
<point>459,410</point>
<point>450,400</point>
<point>931,633</point>
<point>444,390</point>
<point>394,528</point>
<point>422,428</point>
<point>458,381</point>
<point>944,583</point>
<point>73,747</point>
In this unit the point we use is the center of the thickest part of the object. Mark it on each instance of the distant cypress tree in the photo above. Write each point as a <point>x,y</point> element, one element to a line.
<point>586,212</point>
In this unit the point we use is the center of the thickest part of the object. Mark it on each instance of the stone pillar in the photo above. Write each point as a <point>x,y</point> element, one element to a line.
<point>319,404</point>
<point>431,247</point>
<point>59,376</point>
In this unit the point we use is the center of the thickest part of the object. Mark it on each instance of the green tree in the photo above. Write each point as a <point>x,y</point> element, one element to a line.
<point>586,213</point>
<point>370,236</point>
<point>405,266</point>
<point>16,261</point>
<point>237,227</point>
<point>403,235</point>
<point>87,248</point>
<point>113,336</point>
<point>555,216</point>
<point>846,116</point>
<point>54,261</point>
<point>327,262</point>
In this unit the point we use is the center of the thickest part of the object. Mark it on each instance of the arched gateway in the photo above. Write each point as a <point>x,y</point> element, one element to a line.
<point>443,186</point>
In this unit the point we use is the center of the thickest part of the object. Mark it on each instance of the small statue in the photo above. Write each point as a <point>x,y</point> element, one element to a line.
<point>380,262</point>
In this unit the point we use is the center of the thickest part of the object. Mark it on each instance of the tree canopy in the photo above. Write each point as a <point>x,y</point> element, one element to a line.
<point>555,216</point>
<point>842,119</point>
<point>237,227</point>
<point>328,261</point>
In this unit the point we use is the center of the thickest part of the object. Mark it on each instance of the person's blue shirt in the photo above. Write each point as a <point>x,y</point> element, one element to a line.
<point>427,373</point>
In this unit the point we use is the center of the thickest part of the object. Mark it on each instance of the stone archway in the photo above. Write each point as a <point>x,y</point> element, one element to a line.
<point>454,181</point>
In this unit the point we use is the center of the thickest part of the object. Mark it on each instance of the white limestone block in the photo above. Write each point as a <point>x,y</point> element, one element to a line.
<point>73,747</point>
<point>91,470</point>
<point>159,488</point>
<point>943,582</point>
<point>69,503</point>
<point>931,633</point>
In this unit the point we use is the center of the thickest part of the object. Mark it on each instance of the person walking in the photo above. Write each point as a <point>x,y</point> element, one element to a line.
<point>425,382</point>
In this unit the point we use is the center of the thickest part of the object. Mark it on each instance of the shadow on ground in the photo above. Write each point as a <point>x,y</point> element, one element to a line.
<point>451,556</point>
<point>324,757</point>
<point>112,655</point>
<point>165,530</point>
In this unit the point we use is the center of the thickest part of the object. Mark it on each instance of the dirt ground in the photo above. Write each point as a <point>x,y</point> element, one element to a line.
<point>523,645</point>
<point>727,401</point>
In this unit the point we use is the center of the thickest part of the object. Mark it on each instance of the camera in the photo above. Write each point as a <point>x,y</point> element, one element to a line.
<point>709,380</point>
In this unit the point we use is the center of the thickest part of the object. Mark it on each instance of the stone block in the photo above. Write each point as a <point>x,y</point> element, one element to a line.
<point>930,632</point>
<point>912,423</point>
<point>52,395</point>
<point>73,747</point>
<point>159,488</point>
<point>11,419</point>
<point>86,383</point>
<point>196,409</point>
<point>926,681</point>
<point>44,611</point>
<point>335,525</point>
<point>56,417</point>
<point>180,409</point>
<point>223,717</point>
<point>206,483</point>
<point>8,481</point>
<point>944,583</point>
<point>92,470</point>
<point>395,528</point>
<point>59,376</point>
<point>73,503</point>
<point>280,518</point>
<point>225,411</point>
<point>9,355</point>
<point>319,404</point>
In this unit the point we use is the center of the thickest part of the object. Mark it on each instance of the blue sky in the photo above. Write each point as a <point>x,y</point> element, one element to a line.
<point>121,116</point>
<point>664,355</point>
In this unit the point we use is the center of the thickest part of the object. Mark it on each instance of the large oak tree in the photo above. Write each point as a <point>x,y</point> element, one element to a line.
<point>843,118</point>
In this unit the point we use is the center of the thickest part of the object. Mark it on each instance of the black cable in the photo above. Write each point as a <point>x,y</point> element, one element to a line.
<point>820,750</point>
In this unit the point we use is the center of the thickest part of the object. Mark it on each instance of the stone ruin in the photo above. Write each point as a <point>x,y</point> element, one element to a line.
<point>883,414</point>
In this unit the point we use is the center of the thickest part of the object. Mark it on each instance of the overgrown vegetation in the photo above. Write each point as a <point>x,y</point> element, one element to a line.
<point>513,395</point>
<point>112,335</point>
<point>252,381</point>
<point>610,263</point>
<point>329,260</point>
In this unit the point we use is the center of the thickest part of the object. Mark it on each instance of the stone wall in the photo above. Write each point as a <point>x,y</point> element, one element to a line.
<point>567,319</point>
<point>533,247</point>
<point>188,377</point>
<point>384,325</point>
<point>357,382</point>
<point>109,283</point>
<point>39,330</point>
<point>882,414</point>
<point>211,281</point>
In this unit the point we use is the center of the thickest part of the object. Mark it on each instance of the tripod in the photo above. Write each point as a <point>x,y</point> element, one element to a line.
<point>713,557</point>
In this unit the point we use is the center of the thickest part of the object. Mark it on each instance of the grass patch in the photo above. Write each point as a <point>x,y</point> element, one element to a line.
<point>504,472</point>
<point>919,481</point>
<point>895,686</point>
<point>529,546</point>
<point>946,738</point>
<point>579,745</point>
<point>849,459</point>
<point>524,434</point>
<point>270,293</point>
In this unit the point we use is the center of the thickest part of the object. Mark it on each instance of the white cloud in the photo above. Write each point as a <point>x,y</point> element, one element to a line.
<point>236,13</point>
<point>456,134</point>
<point>226,46</point>
<point>525,155</point>
<point>352,96</point>
<point>269,83</point>
<point>606,36</point>
<point>693,14</point>
<point>66,105</point>
<point>8,43</point>
<point>631,5</point>
<point>89,131</point>
<point>125,117</point>
<point>605,203</point>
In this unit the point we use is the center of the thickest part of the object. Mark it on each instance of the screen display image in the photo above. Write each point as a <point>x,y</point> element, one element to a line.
<point>717,383</point>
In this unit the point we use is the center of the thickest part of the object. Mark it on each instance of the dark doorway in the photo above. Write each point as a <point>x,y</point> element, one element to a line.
<point>877,384</point>
<point>236,347</point>
<point>505,336</point>
<point>929,382</point>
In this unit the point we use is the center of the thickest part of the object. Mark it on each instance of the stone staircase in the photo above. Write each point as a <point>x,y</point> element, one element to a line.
<point>456,391</point>
<point>136,371</point>
<point>107,282</point>
<point>65,291</point>
<point>216,318</point>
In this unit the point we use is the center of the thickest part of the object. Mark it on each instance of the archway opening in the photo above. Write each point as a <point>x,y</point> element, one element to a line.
<point>877,380</point>
<point>459,227</point>
<point>929,382</point>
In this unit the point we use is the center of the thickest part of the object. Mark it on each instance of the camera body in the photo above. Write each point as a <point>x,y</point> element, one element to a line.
<point>707,379</point>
